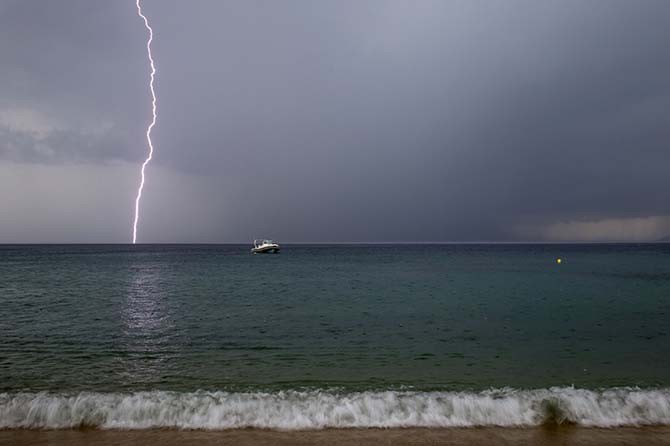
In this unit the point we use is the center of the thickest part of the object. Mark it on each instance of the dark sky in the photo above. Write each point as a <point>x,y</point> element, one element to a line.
<point>341,121</point>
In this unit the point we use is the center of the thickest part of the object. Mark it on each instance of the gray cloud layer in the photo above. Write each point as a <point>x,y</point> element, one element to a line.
<point>376,120</point>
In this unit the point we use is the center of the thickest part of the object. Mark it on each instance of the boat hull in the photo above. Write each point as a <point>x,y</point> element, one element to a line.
<point>266,250</point>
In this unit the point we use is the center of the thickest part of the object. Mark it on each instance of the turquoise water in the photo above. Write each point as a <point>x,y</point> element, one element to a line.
<point>117,319</point>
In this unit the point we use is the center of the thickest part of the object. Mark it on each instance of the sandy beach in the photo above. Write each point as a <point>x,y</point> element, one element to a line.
<point>547,436</point>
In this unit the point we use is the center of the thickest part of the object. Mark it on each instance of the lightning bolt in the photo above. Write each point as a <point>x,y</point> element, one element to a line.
<point>153,120</point>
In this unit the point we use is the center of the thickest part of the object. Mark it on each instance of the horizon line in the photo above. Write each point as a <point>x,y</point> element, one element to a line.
<point>469,242</point>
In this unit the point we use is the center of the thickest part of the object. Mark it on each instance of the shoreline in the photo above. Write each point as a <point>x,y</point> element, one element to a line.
<point>315,409</point>
<point>544,436</point>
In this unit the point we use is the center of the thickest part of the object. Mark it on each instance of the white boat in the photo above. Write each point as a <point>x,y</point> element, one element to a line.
<point>264,246</point>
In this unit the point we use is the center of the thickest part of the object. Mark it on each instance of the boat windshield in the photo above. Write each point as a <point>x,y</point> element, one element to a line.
<point>261,242</point>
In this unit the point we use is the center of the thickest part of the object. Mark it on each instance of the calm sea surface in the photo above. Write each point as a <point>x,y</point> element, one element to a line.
<point>117,319</point>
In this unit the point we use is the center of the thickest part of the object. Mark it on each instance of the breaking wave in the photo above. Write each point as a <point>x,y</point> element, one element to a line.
<point>291,410</point>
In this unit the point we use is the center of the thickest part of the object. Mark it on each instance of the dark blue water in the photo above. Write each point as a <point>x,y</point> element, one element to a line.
<point>446,318</point>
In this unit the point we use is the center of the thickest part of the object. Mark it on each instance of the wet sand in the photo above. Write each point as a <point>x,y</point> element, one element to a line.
<point>552,436</point>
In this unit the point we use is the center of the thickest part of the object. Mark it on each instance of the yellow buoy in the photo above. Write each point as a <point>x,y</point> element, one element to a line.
<point>558,260</point>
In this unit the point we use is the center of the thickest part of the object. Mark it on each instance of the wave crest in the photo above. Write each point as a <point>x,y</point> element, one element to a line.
<point>293,410</point>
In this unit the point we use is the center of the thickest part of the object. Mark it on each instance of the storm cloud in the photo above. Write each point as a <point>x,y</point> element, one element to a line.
<point>337,121</point>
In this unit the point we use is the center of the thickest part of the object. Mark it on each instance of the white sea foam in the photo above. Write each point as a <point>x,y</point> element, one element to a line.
<point>291,410</point>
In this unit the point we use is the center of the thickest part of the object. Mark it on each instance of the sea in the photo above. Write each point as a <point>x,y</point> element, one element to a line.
<point>334,336</point>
